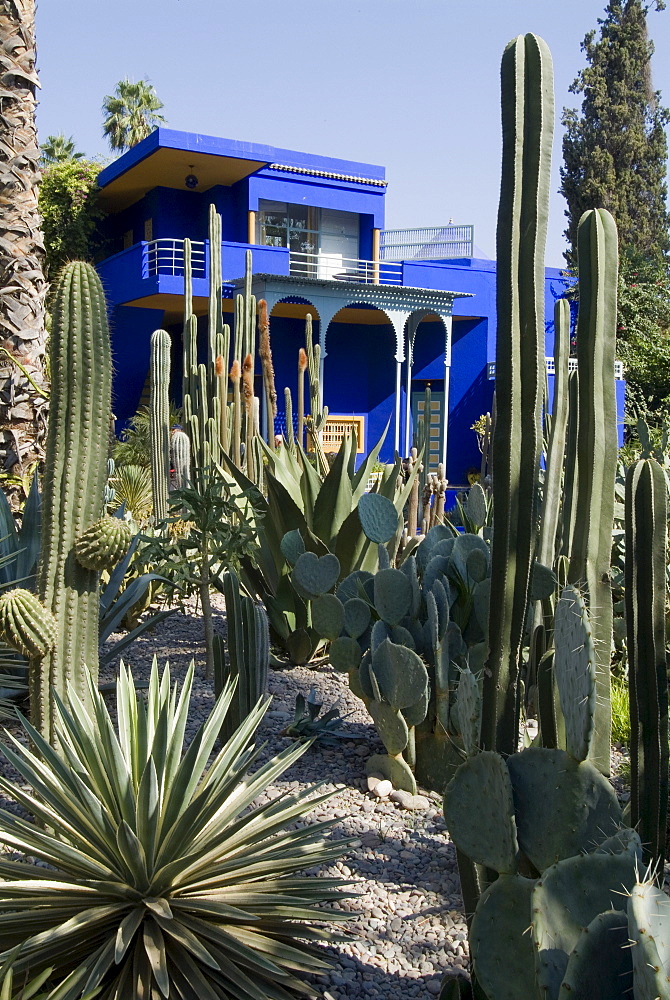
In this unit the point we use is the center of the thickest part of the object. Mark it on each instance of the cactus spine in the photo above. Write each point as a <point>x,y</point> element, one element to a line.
<point>74,483</point>
<point>646,558</point>
<point>597,448</point>
<point>159,416</point>
<point>527,120</point>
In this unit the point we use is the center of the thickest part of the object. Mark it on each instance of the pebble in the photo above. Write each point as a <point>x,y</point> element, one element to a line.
<point>411,930</point>
<point>408,801</point>
<point>382,789</point>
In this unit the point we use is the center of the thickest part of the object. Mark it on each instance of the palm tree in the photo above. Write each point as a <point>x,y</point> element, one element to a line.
<point>131,113</point>
<point>58,149</point>
<point>22,284</point>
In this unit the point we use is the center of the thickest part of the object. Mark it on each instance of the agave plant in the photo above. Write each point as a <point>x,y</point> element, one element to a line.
<point>165,879</point>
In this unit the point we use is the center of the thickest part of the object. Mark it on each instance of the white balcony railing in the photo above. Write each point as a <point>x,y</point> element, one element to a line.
<point>335,267</point>
<point>167,257</point>
<point>431,243</point>
<point>572,367</point>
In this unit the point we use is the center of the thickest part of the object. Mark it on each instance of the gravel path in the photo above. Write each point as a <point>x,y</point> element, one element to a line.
<point>410,929</point>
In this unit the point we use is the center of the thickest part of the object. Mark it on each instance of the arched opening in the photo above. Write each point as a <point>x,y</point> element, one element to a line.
<point>288,318</point>
<point>360,371</point>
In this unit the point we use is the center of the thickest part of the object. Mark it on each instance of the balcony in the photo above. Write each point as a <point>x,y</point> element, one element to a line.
<point>156,267</point>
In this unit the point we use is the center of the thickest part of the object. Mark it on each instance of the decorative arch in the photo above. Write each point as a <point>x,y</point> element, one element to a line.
<point>413,322</point>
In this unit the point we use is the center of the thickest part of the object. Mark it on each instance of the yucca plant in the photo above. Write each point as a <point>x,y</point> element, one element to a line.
<point>165,879</point>
<point>132,487</point>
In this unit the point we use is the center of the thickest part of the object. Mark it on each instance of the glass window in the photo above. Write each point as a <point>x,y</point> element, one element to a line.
<point>308,230</point>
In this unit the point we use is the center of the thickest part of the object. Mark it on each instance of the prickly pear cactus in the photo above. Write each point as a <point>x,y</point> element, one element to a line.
<point>26,624</point>
<point>104,544</point>
<point>575,671</point>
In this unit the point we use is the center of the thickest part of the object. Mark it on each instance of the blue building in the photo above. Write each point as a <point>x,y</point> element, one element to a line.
<point>392,310</point>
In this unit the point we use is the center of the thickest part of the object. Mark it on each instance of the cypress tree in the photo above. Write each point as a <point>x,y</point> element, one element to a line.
<point>615,149</point>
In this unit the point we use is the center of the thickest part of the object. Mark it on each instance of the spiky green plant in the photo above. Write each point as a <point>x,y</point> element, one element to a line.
<point>163,878</point>
<point>132,487</point>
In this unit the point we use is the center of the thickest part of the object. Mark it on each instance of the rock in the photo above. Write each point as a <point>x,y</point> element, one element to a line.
<point>382,789</point>
<point>408,801</point>
<point>373,780</point>
<point>433,986</point>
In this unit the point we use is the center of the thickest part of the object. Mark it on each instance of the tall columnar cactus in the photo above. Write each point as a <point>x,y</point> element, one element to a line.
<point>646,561</point>
<point>597,449</point>
<point>74,482</point>
<point>159,421</point>
<point>248,643</point>
<point>553,478</point>
<point>180,458</point>
<point>527,121</point>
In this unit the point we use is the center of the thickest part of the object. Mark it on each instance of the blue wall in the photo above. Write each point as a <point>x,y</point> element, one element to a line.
<point>131,330</point>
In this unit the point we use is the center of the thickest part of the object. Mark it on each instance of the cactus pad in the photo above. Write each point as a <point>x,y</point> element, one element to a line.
<point>567,897</point>
<point>104,544</point>
<point>356,617</point>
<point>476,508</point>
<point>624,841</point>
<point>378,517</point>
<point>393,595</point>
<point>327,616</point>
<point>400,673</point>
<point>543,582</point>
<point>292,546</point>
<point>26,624</point>
<point>395,769</point>
<point>649,928</point>
<point>345,654</point>
<point>316,575</point>
<point>469,709</point>
<point>501,948</point>
<point>575,671</point>
<point>563,807</point>
<point>477,565</point>
<point>600,965</point>
<point>486,834</point>
<point>390,725</point>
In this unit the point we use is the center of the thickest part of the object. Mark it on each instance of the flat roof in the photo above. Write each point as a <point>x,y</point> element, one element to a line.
<point>166,156</point>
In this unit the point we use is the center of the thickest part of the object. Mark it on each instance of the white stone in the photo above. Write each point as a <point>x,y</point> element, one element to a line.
<point>382,789</point>
<point>373,781</point>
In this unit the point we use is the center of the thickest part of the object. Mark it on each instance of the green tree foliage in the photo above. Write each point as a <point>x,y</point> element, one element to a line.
<point>643,332</point>
<point>131,114</point>
<point>71,213</point>
<point>615,149</point>
<point>58,149</point>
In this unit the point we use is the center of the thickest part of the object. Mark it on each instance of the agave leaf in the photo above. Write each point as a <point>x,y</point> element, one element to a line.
<point>179,931</point>
<point>126,932</point>
<point>147,810</point>
<point>154,945</point>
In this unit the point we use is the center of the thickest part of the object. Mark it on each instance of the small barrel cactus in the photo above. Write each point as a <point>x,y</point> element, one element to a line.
<point>26,624</point>
<point>104,544</point>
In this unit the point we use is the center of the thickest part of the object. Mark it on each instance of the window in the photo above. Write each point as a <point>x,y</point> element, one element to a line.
<point>304,229</point>
<point>127,239</point>
<point>148,230</point>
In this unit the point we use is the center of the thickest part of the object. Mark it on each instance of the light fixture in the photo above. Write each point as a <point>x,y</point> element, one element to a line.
<point>191,181</point>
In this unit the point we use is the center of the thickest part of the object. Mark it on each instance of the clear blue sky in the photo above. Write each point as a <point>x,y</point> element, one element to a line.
<point>410,84</point>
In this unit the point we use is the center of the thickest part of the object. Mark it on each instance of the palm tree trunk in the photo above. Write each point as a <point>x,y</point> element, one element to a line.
<point>23,408</point>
